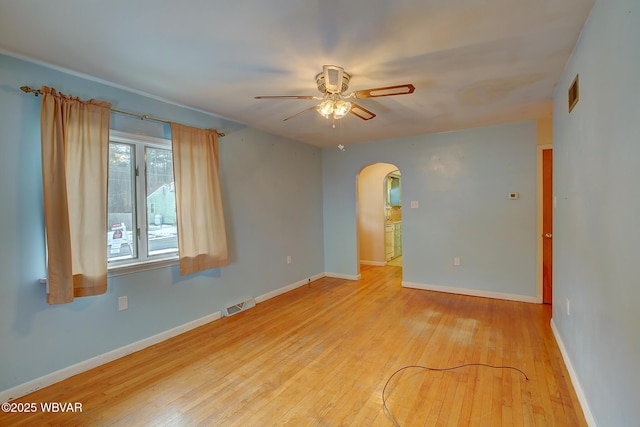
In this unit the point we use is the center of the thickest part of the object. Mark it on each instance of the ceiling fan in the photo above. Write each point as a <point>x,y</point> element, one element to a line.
<point>333,83</point>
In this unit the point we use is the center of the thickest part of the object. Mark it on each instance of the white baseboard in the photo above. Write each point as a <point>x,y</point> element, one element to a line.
<point>64,373</point>
<point>574,378</point>
<point>288,288</point>
<point>374,263</point>
<point>344,276</point>
<point>471,292</point>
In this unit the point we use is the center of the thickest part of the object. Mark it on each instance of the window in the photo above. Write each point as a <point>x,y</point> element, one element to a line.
<point>141,201</point>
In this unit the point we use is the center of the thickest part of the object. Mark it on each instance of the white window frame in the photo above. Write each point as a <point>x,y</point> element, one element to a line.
<point>142,262</point>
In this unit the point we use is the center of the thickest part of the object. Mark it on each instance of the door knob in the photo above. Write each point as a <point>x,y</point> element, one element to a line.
<point>548,235</point>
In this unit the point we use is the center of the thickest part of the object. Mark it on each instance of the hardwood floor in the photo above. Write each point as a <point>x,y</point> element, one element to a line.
<point>321,355</point>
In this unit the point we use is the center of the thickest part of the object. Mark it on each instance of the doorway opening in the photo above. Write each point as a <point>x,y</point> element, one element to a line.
<point>379,215</point>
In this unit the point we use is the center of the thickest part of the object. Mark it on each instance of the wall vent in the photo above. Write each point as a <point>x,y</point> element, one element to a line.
<point>574,93</point>
<point>241,306</point>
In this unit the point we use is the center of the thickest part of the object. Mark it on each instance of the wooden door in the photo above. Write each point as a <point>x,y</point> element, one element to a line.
<point>547,224</point>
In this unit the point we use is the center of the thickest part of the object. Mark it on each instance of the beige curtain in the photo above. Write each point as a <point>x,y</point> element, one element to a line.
<point>201,235</point>
<point>75,154</point>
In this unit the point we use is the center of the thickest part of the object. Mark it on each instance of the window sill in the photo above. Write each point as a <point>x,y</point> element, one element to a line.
<point>121,270</point>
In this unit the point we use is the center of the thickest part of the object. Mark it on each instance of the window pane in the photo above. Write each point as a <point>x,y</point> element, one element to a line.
<point>161,202</point>
<point>121,203</point>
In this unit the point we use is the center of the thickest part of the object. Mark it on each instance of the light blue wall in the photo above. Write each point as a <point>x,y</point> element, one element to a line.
<point>461,180</point>
<point>596,222</point>
<point>272,198</point>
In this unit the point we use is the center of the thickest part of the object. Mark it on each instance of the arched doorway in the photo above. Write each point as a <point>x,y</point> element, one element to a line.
<point>378,215</point>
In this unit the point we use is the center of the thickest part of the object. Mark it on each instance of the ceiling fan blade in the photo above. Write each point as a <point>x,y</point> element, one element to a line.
<point>287,97</point>
<point>405,89</point>
<point>301,112</point>
<point>360,111</point>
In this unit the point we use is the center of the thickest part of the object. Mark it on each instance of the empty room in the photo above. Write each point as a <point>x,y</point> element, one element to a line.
<point>319,213</point>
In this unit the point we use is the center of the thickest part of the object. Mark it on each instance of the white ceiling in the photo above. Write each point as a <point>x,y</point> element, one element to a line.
<point>473,62</point>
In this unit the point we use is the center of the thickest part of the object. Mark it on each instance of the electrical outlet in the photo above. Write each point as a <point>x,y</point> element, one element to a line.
<point>123,303</point>
<point>288,259</point>
<point>456,261</point>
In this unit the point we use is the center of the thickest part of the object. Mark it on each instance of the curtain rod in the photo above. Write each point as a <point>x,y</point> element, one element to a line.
<point>36,92</point>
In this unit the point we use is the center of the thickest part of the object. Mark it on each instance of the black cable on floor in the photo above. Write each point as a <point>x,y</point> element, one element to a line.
<point>384,398</point>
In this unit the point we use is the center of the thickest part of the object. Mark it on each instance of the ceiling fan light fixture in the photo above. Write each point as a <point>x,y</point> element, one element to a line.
<point>333,83</point>
<point>326,108</point>
<point>341,109</point>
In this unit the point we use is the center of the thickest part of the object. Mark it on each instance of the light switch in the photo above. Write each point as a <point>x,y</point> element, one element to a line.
<point>415,204</point>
